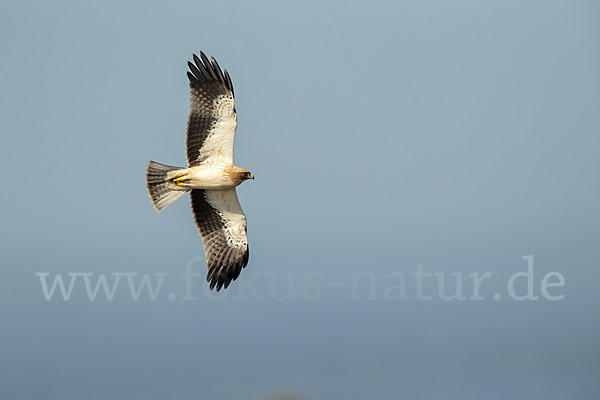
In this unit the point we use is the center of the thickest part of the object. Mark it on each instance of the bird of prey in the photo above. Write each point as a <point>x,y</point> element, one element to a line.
<point>211,177</point>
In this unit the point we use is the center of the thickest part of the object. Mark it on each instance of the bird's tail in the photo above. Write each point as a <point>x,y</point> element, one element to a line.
<point>161,189</point>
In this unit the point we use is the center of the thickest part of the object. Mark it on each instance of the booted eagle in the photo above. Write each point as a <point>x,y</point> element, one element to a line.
<point>211,177</point>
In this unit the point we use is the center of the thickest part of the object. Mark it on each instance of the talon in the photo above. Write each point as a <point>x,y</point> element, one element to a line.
<point>179,181</point>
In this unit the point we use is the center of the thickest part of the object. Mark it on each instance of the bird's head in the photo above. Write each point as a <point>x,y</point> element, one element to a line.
<point>239,175</point>
<point>243,175</point>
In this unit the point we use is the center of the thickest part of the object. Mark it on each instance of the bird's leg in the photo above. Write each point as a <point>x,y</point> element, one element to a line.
<point>178,177</point>
<point>179,181</point>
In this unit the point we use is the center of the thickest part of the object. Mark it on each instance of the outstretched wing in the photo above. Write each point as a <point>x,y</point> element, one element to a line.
<point>212,120</point>
<point>222,226</point>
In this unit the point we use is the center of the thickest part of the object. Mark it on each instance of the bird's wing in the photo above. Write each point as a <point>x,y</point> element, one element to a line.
<point>222,226</point>
<point>212,120</point>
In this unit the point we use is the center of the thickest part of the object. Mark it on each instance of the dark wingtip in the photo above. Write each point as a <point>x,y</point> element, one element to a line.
<point>208,66</point>
<point>194,71</point>
<point>205,69</point>
<point>221,278</point>
<point>228,82</point>
<point>191,77</point>
<point>217,69</point>
<point>197,60</point>
<point>200,68</point>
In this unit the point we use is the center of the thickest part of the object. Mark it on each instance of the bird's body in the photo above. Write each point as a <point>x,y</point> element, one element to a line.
<point>211,177</point>
<point>208,175</point>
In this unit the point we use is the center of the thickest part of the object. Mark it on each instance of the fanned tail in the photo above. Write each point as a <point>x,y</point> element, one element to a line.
<point>161,189</point>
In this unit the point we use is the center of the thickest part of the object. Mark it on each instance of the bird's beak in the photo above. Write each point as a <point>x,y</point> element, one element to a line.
<point>252,176</point>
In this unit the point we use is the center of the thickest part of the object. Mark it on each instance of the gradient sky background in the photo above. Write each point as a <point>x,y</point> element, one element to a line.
<point>460,136</point>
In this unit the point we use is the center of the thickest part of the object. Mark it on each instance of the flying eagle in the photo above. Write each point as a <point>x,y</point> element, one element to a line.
<point>211,177</point>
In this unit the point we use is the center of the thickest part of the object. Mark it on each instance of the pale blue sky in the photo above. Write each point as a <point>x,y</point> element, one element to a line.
<point>460,136</point>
